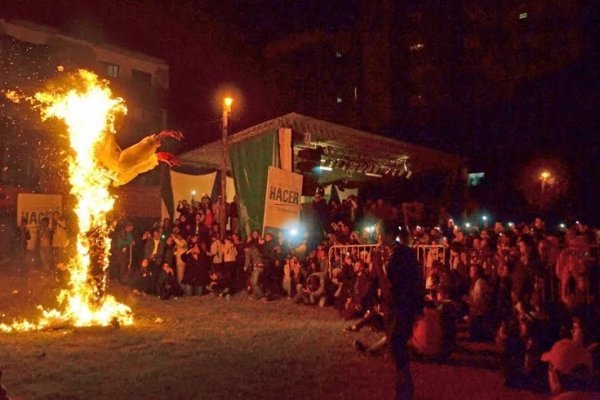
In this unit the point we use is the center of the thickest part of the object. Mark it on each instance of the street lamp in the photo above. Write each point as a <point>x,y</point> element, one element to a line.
<point>227,102</point>
<point>545,177</point>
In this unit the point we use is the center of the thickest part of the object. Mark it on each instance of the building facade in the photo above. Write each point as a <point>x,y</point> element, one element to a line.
<point>408,68</point>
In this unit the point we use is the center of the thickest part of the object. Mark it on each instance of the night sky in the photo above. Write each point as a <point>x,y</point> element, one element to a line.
<point>208,44</point>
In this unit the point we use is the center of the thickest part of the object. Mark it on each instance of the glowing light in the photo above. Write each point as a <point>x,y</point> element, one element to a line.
<point>562,226</point>
<point>294,232</point>
<point>88,110</point>
<point>467,225</point>
<point>511,224</point>
<point>325,168</point>
<point>227,102</point>
<point>485,218</point>
<point>545,175</point>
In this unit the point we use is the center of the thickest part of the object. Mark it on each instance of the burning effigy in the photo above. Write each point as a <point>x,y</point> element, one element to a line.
<point>88,109</point>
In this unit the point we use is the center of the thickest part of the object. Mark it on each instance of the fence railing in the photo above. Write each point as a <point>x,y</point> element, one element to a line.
<point>356,251</point>
<point>428,254</point>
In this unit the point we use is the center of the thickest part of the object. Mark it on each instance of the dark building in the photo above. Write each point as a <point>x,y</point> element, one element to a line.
<point>496,82</point>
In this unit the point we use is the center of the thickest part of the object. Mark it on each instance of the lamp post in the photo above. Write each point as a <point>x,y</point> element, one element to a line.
<point>227,101</point>
<point>545,180</point>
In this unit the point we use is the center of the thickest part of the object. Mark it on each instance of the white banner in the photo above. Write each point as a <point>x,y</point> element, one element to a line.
<point>282,199</point>
<point>34,207</point>
<point>183,185</point>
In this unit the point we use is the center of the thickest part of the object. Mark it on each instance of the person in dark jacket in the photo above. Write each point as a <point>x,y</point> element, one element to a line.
<point>196,271</point>
<point>405,302</point>
<point>167,281</point>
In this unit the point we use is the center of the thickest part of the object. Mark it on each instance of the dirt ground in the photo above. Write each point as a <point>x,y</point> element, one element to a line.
<point>211,348</point>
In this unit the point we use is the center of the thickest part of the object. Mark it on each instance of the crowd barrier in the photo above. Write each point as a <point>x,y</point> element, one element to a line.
<point>426,254</point>
<point>337,253</point>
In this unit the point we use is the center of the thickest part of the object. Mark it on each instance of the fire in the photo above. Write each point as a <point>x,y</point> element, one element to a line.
<point>88,110</point>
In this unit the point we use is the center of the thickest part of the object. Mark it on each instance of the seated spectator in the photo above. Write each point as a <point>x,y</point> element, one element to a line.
<point>570,370</point>
<point>362,288</point>
<point>315,289</point>
<point>168,286</point>
<point>196,271</point>
<point>293,277</point>
<point>145,279</point>
<point>479,301</point>
<point>427,338</point>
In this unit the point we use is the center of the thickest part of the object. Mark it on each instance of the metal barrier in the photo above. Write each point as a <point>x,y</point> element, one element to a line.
<point>427,254</point>
<point>338,252</point>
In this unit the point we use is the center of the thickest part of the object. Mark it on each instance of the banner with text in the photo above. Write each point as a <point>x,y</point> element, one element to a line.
<point>282,199</point>
<point>32,208</point>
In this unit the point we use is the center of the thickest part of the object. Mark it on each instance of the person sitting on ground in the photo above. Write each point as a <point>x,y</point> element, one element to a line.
<point>195,274</point>
<point>362,293</point>
<point>293,277</point>
<point>373,318</point>
<point>570,370</point>
<point>220,285</point>
<point>144,281</point>
<point>427,337</point>
<point>167,282</point>
<point>447,310</point>
<point>479,301</point>
<point>586,330</point>
<point>315,289</point>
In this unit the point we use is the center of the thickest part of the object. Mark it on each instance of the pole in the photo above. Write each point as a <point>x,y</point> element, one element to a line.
<point>223,199</point>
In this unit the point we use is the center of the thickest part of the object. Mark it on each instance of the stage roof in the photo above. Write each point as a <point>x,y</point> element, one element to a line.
<point>313,132</point>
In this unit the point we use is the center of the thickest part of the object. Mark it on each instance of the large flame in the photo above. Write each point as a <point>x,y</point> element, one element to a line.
<point>88,110</point>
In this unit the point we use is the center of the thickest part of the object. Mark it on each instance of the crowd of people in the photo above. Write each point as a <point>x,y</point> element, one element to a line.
<point>526,287</point>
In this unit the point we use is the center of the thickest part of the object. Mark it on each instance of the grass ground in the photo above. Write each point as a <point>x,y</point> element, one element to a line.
<point>211,348</point>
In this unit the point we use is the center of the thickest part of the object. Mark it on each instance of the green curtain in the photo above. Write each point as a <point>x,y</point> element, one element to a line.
<point>250,160</point>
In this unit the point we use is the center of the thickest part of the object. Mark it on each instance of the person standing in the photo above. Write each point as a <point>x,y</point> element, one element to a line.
<point>404,302</point>
<point>44,244</point>
<point>60,241</point>
<point>124,252</point>
<point>23,236</point>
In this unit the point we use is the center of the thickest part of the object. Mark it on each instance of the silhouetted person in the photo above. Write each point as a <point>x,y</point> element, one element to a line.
<point>404,303</point>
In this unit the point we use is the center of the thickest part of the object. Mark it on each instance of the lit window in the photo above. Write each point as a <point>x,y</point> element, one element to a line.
<point>523,15</point>
<point>141,77</point>
<point>110,70</point>
<point>338,100</point>
<point>416,47</point>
